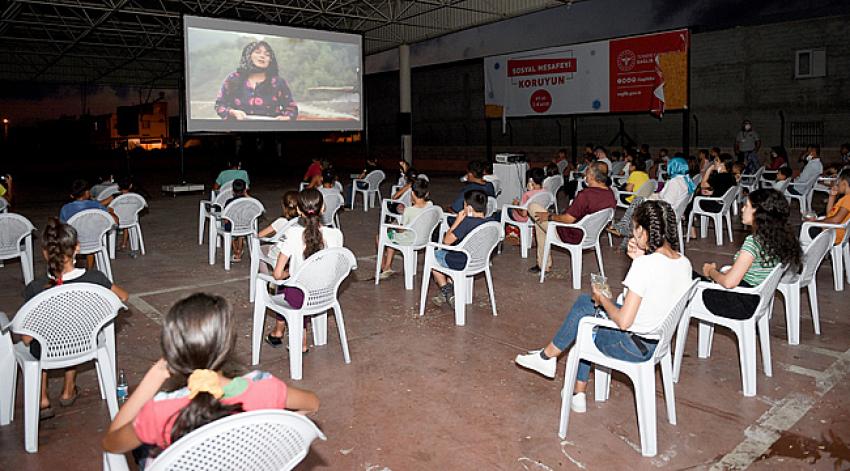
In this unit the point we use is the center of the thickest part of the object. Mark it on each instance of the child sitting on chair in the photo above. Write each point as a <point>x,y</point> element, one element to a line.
<point>419,196</point>
<point>240,190</point>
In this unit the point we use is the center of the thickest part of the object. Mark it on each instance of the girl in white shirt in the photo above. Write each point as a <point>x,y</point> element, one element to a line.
<point>659,275</point>
<point>299,243</point>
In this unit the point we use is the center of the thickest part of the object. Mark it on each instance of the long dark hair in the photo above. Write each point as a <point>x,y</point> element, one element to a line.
<point>779,243</point>
<point>659,221</point>
<point>59,242</point>
<point>246,65</point>
<point>198,333</point>
<point>311,204</point>
<point>289,204</point>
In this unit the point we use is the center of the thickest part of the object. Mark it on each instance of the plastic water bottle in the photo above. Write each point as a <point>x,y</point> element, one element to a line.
<point>121,390</point>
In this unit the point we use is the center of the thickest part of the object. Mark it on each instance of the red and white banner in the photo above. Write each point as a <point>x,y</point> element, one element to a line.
<point>641,73</point>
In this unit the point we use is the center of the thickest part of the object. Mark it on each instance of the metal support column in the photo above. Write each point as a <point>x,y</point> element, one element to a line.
<point>405,117</point>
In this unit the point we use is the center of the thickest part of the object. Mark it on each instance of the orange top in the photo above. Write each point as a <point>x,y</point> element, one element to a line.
<point>844,202</point>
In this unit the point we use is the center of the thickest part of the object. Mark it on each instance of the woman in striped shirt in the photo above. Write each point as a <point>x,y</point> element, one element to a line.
<point>771,242</point>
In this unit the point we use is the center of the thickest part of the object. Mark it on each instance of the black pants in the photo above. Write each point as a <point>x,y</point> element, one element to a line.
<point>727,304</point>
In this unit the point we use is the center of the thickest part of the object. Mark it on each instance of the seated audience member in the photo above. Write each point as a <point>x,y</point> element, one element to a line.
<point>571,185</point>
<point>419,197</point>
<point>837,209</point>
<point>636,181</point>
<point>534,185</point>
<point>658,277</point>
<point>409,177</point>
<point>6,188</point>
<point>371,166</point>
<point>328,185</point>
<point>704,160</point>
<point>783,175</point>
<point>562,161</point>
<point>595,197</point>
<point>771,242</point>
<point>198,341</point>
<point>467,219</point>
<point>844,152</point>
<point>618,163</point>
<point>679,184</point>
<point>831,171</point>
<point>81,201</point>
<point>717,180</point>
<point>601,155</point>
<point>474,181</point>
<point>234,171</point>
<point>99,191</point>
<point>752,163</point>
<point>314,173</point>
<point>240,190</point>
<point>812,170</point>
<point>778,158</point>
<point>738,171</point>
<point>59,246</point>
<point>289,210</point>
<point>298,244</point>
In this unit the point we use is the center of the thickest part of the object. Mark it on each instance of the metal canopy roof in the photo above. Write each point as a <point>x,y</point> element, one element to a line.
<point>138,42</point>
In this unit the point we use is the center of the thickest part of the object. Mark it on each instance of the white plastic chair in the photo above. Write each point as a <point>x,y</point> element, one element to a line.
<point>478,246</point>
<point>792,283</point>
<point>562,165</point>
<point>333,203</point>
<point>318,278</point>
<point>405,199</point>
<point>127,207</point>
<point>552,185</point>
<point>8,373</point>
<point>371,192</point>
<point>492,209</point>
<point>679,209</point>
<point>591,227</point>
<point>806,190</point>
<point>641,374</point>
<point>745,330</point>
<point>727,201</point>
<point>257,256</point>
<point>840,252</point>
<point>526,236</point>
<point>242,214</point>
<point>421,227</point>
<point>209,209</point>
<point>4,205</point>
<point>16,241</point>
<point>73,323</point>
<point>227,187</point>
<point>622,193</point>
<point>750,181</point>
<point>496,182</point>
<point>269,439</point>
<point>94,228</point>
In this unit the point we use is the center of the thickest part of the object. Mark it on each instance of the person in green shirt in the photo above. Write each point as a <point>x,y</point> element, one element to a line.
<point>233,172</point>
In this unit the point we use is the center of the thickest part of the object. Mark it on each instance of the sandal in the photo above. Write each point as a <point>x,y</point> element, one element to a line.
<point>71,400</point>
<point>46,413</point>
<point>235,259</point>
<point>274,340</point>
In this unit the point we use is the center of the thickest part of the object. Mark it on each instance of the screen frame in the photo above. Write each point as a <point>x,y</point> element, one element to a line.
<point>201,126</point>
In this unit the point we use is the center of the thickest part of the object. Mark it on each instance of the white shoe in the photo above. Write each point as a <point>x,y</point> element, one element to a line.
<point>386,274</point>
<point>533,361</point>
<point>579,403</point>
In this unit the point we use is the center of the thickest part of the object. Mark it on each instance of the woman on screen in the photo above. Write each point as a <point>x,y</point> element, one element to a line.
<point>255,88</point>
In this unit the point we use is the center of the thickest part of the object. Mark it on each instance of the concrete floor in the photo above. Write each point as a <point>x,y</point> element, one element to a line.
<point>422,393</point>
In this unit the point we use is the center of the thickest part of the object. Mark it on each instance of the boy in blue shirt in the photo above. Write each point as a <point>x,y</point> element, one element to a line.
<point>474,181</point>
<point>82,201</point>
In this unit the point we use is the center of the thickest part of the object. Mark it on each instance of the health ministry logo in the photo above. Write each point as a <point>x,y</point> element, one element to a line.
<point>626,60</point>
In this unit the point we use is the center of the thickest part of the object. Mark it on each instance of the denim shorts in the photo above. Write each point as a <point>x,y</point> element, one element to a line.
<point>440,255</point>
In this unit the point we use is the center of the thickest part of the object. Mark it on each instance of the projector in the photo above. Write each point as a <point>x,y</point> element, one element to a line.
<point>509,158</point>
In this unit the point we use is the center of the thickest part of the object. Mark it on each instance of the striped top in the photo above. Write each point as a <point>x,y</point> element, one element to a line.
<point>761,267</point>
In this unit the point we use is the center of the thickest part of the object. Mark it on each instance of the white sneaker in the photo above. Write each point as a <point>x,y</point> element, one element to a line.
<point>533,361</point>
<point>579,403</point>
<point>386,274</point>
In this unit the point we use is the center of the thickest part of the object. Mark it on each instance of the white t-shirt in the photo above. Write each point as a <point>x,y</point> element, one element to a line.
<point>329,191</point>
<point>659,281</point>
<point>292,244</point>
<point>279,224</point>
<point>674,191</point>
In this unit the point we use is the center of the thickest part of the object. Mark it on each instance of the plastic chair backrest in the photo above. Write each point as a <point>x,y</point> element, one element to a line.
<point>665,330</point>
<point>767,287</point>
<point>813,255</point>
<point>593,225</point>
<point>91,225</point>
<point>223,195</point>
<point>333,201</point>
<point>374,179</point>
<point>258,440</point>
<point>492,206</point>
<point>127,207</point>
<point>406,198</point>
<point>339,186</point>
<point>544,198</point>
<point>495,181</point>
<point>66,319</point>
<point>562,165</point>
<point>782,186</point>
<point>729,198</point>
<point>4,205</point>
<point>479,244</point>
<point>14,228</point>
<point>424,224</point>
<point>228,186</point>
<point>553,184</point>
<point>242,213</point>
<point>682,205</point>
<point>321,274</point>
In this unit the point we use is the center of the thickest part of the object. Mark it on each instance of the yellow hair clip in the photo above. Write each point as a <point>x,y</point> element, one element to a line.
<point>204,381</point>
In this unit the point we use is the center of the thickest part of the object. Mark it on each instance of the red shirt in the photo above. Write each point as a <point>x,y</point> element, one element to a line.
<point>588,201</point>
<point>314,170</point>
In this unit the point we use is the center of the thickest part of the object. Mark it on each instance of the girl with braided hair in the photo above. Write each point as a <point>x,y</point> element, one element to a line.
<point>771,242</point>
<point>299,242</point>
<point>198,342</point>
<point>659,275</point>
<point>59,246</point>
<point>256,88</point>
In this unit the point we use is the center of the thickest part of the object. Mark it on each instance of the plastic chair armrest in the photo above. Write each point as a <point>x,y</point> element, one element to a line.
<point>586,326</point>
<point>704,285</point>
<point>4,322</point>
<point>271,279</point>
<point>699,200</point>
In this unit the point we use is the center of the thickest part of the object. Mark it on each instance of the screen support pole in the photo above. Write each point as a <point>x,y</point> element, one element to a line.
<point>404,102</point>
<point>574,138</point>
<point>181,90</point>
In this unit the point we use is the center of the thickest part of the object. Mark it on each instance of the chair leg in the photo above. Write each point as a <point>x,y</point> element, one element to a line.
<point>690,226</point>
<point>110,240</point>
<point>667,381</point>
<point>681,338</point>
<point>567,392</point>
<point>296,339</point>
<point>426,279</point>
<point>202,217</point>
<point>490,289</point>
<point>813,303</point>
<point>792,312</point>
<point>729,225</point>
<point>32,402</point>
<point>141,239</point>
<point>259,322</point>
<point>645,399</point>
<point>718,229</point>
<point>575,260</point>
<point>409,260</point>
<point>343,339</point>
<point>470,285</point>
<point>598,250</point>
<point>747,353</point>
<point>212,242</point>
<point>107,381</point>
<point>706,333</point>
<point>764,343</point>
<point>228,245</point>
<point>319,323</point>
<point>379,259</point>
<point>837,268</point>
<point>524,240</point>
<point>601,383</point>
<point>9,371</point>
<point>547,248</point>
<point>460,287</point>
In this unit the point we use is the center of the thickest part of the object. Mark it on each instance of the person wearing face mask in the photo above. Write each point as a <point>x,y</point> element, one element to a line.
<point>812,170</point>
<point>747,144</point>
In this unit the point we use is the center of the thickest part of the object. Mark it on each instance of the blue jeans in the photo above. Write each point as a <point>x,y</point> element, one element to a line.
<point>614,343</point>
<point>346,194</point>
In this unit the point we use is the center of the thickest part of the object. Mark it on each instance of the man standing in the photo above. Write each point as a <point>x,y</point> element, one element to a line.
<point>595,197</point>
<point>747,143</point>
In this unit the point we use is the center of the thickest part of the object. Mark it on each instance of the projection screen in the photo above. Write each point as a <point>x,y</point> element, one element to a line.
<point>243,76</point>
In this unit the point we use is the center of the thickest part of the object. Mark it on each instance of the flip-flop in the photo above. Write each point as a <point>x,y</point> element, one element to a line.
<point>71,400</point>
<point>46,413</point>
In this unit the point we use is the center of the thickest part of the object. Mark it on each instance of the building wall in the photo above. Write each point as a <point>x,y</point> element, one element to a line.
<point>735,73</point>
